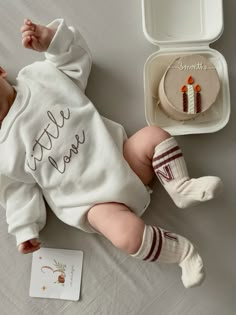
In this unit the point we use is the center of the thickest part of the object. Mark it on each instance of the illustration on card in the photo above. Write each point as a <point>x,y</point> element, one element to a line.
<point>57,272</point>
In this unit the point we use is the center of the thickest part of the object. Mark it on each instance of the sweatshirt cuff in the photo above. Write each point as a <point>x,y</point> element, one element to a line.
<point>62,38</point>
<point>27,233</point>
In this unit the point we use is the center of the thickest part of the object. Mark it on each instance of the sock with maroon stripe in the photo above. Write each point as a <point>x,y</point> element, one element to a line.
<point>165,247</point>
<point>170,168</point>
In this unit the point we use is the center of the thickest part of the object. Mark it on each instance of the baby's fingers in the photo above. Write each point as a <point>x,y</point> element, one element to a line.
<point>28,37</point>
<point>28,22</point>
<point>26,28</point>
<point>35,242</point>
<point>29,246</point>
<point>27,250</point>
<point>27,41</point>
<point>28,33</point>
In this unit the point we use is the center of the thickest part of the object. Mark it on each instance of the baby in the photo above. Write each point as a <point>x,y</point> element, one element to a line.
<point>55,145</point>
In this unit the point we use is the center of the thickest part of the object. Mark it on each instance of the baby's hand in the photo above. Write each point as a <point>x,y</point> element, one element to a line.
<point>36,37</point>
<point>29,246</point>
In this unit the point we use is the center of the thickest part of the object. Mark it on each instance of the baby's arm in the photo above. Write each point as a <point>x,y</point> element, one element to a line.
<point>25,211</point>
<point>64,47</point>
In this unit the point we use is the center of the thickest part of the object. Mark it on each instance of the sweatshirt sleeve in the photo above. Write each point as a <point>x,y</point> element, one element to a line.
<point>69,52</point>
<point>25,208</point>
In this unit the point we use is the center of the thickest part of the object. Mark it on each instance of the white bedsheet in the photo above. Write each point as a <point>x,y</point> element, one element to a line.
<point>112,282</point>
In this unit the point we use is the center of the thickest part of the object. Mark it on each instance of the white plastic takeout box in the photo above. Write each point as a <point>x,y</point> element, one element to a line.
<point>178,28</point>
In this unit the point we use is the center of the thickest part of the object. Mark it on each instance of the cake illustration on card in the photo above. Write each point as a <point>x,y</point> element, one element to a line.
<point>189,87</point>
<point>56,274</point>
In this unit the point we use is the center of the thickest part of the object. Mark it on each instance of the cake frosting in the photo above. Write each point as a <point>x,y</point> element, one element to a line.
<point>189,87</point>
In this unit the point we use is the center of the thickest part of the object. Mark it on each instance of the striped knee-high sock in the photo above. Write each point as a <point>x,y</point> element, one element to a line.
<point>170,168</point>
<point>165,247</point>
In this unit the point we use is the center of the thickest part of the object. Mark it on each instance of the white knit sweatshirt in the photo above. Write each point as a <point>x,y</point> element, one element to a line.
<point>53,143</point>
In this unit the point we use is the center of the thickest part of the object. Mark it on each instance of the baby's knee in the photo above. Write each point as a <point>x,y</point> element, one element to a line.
<point>150,137</point>
<point>155,132</point>
<point>118,224</point>
<point>129,241</point>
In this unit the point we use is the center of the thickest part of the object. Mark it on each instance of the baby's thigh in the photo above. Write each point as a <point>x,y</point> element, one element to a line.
<point>104,215</point>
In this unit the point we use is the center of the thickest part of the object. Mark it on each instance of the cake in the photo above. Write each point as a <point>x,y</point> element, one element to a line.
<point>189,87</point>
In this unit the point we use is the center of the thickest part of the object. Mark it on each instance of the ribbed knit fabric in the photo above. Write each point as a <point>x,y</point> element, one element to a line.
<point>165,247</point>
<point>170,168</point>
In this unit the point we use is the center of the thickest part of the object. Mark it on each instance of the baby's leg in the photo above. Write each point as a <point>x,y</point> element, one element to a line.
<point>139,151</point>
<point>129,233</point>
<point>118,224</point>
<point>152,148</point>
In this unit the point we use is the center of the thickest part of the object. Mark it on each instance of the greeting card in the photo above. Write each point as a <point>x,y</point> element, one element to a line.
<point>56,274</point>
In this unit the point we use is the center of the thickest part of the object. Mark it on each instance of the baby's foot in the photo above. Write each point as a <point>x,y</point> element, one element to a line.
<point>188,192</point>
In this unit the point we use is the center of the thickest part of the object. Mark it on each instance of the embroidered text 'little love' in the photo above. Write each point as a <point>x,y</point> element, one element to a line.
<point>46,140</point>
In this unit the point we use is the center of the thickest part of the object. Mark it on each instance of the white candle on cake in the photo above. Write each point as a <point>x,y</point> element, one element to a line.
<point>190,92</point>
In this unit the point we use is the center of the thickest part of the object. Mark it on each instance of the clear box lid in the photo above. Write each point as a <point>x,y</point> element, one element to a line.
<point>182,22</point>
